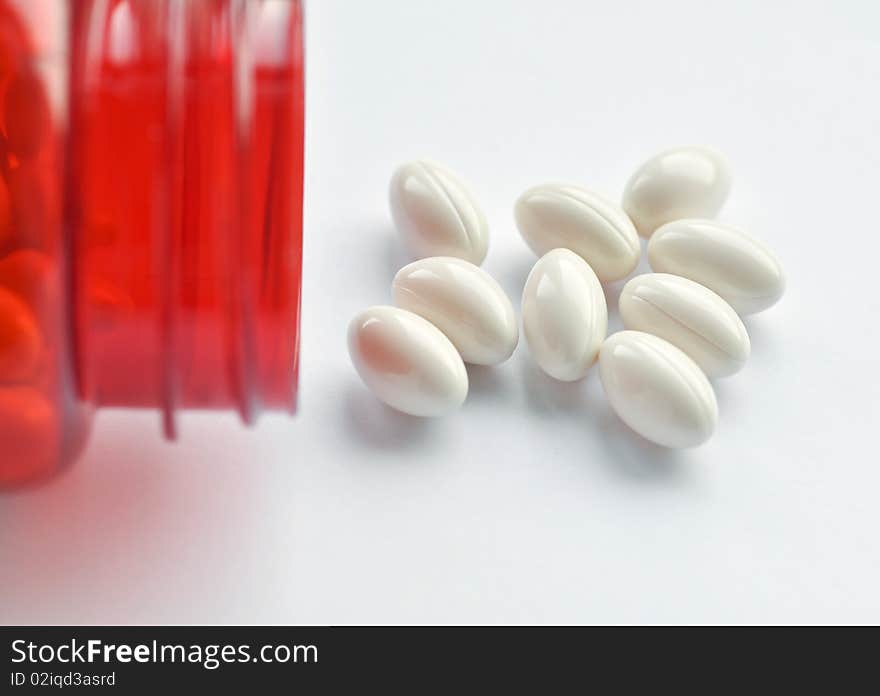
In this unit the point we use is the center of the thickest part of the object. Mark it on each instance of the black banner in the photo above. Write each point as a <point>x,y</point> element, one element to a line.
<point>411,659</point>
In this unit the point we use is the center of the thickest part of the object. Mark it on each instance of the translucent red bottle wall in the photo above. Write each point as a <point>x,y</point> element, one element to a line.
<point>150,214</point>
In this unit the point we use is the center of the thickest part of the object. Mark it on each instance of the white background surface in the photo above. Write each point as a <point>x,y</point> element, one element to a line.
<point>533,504</point>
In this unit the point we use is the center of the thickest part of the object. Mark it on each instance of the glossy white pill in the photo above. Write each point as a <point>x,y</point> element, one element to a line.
<point>657,390</point>
<point>689,316</point>
<point>564,315</point>
<point>725,259</point>
<point>406,361</point>
<point>685,182</point>
<point>435,214</point>
<point>464,302</point>
<point>563,216</point>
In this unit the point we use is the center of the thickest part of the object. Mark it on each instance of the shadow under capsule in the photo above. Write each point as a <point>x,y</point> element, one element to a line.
<point>376,425</point>
<point>633,457</point>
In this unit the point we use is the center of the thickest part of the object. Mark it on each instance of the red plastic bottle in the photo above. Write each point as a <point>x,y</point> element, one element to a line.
<point>151,169</point>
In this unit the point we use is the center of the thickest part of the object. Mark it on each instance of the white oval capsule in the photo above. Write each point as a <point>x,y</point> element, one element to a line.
<point>556,216</point>
<point>464,302</point>
<point>436,215</point>
<point>657,390</point>
<point>685,182</point>
<point>691,317</point>
<point>564,315</point>
<point>407,362</point>
<point>726,260</point>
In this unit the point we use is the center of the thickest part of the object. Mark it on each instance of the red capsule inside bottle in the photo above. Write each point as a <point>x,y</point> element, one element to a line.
<point>151,169</point>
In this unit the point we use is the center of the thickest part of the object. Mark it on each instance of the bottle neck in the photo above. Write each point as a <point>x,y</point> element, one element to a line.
<point>184,196</point>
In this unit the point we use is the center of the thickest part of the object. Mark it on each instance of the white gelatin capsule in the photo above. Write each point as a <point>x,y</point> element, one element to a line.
<point>689,316</point>
<point>685,182</point>
<point>657,390</point>
<point>556,216</point>
<point>726,260</point>
<point>464,302</point>
<point>407,362</point>
<point>564,315</point>
<point>435,213</point>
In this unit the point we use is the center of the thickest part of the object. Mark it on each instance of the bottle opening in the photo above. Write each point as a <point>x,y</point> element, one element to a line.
<point>151,173</point>
<point>185,174</point>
